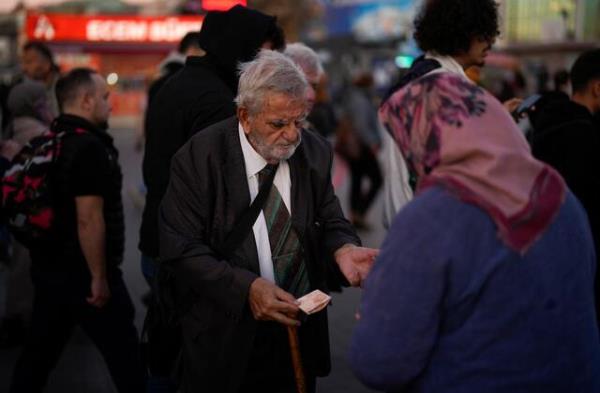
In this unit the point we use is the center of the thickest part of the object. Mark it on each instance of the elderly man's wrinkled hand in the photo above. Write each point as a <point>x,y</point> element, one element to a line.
<point>355,262</point>
<point>268,302</point>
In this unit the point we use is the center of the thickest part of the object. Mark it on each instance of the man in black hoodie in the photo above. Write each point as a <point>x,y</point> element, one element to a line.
<point>567,137</point>
<point>200,95</point>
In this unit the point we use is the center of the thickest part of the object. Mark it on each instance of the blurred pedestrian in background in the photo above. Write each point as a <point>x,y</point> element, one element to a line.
<point>321,116</point>
<point>14,310</point>
<point>308,61</point>
<point>28,105</point>
<point>485,280</point>
<point>37,62</point>
<point>566,136</point>
<point>562,81</point>
<point>358,142</point>
<point>188,46</point>
<point>30,111</point>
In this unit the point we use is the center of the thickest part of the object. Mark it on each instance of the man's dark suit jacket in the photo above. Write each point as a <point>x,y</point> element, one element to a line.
<point>208,191</point>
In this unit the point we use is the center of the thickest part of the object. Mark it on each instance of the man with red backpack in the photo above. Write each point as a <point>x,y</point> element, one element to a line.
<point>76,272</point>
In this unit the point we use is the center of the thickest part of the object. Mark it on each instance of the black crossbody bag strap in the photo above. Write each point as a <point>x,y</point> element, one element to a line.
<point>244,224</point>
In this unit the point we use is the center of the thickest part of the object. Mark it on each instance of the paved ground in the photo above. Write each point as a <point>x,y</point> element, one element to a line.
<point>81,369</point>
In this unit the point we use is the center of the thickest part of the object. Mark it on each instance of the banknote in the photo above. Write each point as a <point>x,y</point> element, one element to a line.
<point>314,302</point>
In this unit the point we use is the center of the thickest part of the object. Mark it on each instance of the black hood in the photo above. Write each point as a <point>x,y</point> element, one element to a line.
<point>556,108</point>
<point>232,37</point>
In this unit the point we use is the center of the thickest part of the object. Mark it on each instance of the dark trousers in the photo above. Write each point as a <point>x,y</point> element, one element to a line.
<point>365,165</point>
<point>59,305</point>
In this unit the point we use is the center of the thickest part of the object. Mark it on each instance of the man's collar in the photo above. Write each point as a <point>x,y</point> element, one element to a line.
<point>254,161</point>
<point>71,123</point>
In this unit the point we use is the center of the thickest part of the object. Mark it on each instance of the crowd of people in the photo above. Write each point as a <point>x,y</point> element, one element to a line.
<point>487,279</point>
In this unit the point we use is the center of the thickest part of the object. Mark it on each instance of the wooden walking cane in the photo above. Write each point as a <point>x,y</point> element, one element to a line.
<point>309,304</point>
<point>296,359</point>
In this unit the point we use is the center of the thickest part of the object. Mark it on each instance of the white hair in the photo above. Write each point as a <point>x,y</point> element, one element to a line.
<point>306,58</point>
<point>269,72</point>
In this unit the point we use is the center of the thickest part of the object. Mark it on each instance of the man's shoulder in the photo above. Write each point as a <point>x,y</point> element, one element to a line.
<point>84,148</point>
<point>213,139</point>
<point>217,130</point>
<point>203,79</point>
<point>312,138</point>
<point>81,139</point>
<point>190,90</point>
<point>315,144</point>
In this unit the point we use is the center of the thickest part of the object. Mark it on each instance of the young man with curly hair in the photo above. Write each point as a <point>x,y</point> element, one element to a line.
<point>454,35</point>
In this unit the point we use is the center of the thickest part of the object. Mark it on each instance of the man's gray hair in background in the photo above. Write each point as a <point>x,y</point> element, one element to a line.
<point>305,58</point>
<point>269,72</point>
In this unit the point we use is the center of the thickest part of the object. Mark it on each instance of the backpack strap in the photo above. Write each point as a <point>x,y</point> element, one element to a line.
<point>244,224</point>
<point>420,67</point>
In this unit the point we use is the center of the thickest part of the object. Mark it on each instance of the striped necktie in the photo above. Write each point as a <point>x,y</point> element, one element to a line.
<point>286,250</point>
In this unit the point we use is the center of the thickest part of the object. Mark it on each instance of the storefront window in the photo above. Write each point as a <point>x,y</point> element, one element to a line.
<point>591,26</point>
<point>541,20</point>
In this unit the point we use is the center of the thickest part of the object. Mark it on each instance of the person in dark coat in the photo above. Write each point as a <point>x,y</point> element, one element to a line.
<point>567,136</point>
<point>188,46</point>
<point>234,335</point>
<point>201,94</point>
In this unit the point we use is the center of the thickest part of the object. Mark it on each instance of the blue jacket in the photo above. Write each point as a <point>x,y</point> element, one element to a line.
<point>449,308</point>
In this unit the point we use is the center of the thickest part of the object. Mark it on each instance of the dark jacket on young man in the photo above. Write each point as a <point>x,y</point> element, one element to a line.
<point>200,94</point>
<point>567,137</point>
<point>207,195</point>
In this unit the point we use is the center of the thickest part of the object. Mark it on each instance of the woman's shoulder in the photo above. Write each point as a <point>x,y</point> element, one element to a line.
<point>438,206</point>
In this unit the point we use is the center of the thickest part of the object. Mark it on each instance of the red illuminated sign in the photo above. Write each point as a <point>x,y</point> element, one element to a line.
<point>221,5</point>
<point>109,28</point>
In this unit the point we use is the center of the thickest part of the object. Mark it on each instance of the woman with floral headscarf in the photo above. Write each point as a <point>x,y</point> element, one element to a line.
<point>485,281</point>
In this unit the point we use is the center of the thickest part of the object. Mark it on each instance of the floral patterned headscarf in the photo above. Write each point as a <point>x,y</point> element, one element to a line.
<point>456,135</point>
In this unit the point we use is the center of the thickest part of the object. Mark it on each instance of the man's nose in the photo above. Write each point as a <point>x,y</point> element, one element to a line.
<point>291,132</point>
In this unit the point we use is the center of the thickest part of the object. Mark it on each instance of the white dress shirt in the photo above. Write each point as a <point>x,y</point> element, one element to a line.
<point>255,163</point>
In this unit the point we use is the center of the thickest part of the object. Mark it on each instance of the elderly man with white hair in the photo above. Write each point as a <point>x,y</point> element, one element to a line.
<point>241,286</point>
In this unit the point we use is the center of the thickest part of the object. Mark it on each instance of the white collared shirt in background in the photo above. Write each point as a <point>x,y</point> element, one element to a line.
<point>254,163</point>
<point>448,64</point>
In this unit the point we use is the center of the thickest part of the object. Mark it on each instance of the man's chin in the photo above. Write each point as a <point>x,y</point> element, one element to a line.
<point>287,153</point>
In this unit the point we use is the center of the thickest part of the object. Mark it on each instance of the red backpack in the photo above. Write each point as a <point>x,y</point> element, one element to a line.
<point>27,199</point>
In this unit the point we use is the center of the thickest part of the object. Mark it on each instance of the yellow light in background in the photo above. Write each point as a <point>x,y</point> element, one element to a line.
<point>112,78</point>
